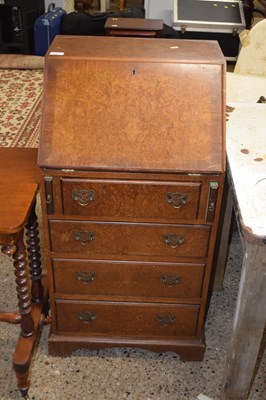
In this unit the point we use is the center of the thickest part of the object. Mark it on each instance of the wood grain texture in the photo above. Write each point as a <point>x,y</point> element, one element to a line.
<point>19,178</point>
<point>130,127</point>
<point>112,239</point>
<point>128,279</point>
<point>15,211</point>
<point>136,319</point>
<point>19,165</point>
<point>145,106</point>
<point>134,24</point>
<point>131,199</point>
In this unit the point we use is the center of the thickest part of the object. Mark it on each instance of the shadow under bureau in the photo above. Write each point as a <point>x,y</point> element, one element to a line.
<point>132,154</point>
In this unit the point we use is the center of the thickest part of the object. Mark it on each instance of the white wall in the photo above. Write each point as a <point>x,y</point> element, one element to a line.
<point>160,9</point>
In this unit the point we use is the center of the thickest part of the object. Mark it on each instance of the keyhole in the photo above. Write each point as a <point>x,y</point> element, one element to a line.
<point>134,72</point>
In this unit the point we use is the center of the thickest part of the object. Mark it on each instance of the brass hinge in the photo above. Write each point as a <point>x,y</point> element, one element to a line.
<point>212,198</point>
<point>49,196</point>
<point>183,28</point>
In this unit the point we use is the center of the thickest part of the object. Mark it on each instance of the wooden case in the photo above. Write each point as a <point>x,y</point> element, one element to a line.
<point>132,153</point>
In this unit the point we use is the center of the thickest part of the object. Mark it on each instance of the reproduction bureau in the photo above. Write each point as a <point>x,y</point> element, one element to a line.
<point>132,154</point>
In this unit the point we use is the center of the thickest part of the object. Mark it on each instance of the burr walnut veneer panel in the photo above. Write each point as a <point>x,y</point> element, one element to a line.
<point>130,96</point>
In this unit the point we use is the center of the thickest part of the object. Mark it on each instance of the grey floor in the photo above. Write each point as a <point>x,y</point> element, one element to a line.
<point>123,373</point>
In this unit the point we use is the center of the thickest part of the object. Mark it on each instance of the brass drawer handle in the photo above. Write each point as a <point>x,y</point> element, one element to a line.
<point>83,197</point>
<point>173,240</point>
<point>170,280</point>
<point>177,200</point>
<point>84,237</point>
<point>86,277</point>
<point>166,319</point>
<point>86,316</point>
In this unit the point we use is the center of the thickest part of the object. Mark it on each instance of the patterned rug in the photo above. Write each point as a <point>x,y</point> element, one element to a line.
<point>20,107</point>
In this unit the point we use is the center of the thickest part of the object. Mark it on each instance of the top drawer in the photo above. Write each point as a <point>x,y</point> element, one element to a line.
<point>130,199</point>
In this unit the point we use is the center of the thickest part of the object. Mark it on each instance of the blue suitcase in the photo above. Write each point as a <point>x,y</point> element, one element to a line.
<point>46,27</point>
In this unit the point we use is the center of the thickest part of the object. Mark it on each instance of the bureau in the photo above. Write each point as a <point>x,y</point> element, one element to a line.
<point>132,155</point>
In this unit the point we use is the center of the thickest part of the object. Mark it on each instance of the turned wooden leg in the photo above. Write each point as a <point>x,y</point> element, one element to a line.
<point>34,257</point>
<point>24,305</point>
<point>23,287</point>
<point>23,381</point>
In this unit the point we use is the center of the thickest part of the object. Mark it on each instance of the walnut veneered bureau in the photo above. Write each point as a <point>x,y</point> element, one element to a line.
<point>132,153</point>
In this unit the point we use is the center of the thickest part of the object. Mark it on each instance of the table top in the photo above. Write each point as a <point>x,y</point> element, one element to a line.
<point>246,149</point>
<point>19,177</point>
<point>19,165</point>
<point>134,24</point>
<point>16,200</point>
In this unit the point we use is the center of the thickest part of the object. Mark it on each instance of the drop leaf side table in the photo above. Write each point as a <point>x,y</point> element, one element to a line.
<point>19,179</point>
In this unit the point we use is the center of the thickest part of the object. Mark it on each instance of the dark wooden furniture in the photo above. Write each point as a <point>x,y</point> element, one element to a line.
<point>131,190</point>
<point>133,27</point>
<point>17,19</point>
<point>19,177</point>
<point>248,10</point>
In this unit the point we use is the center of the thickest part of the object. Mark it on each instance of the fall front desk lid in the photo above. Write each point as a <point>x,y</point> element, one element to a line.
<point>133,104</point>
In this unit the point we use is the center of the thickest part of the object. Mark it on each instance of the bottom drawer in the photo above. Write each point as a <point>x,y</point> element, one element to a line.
<point>127,319</point>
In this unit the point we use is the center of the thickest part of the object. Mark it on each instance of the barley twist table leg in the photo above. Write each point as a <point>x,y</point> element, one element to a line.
<point>23,287</point>
<point>34,257</point>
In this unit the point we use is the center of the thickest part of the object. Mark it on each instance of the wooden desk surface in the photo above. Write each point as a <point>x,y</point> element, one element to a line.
<point>16,200</point>
<point>19,165</point>
<point>134,24</point>
<point>19,177</point>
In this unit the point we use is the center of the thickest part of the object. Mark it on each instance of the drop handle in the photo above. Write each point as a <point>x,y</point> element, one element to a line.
<point>86,316</point>
<point>84,237</point>
<point>166,319</point>
<point>83,197</point>
<point>86,277</point>
<point>173,240</point>
<point>176,200</point>
<point>170,280</point>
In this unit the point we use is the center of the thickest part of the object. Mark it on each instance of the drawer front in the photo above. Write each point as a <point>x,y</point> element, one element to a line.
<point>127,319</point>
<point>134,199</point>
<point>128,279</point>
<point>116,239</point>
